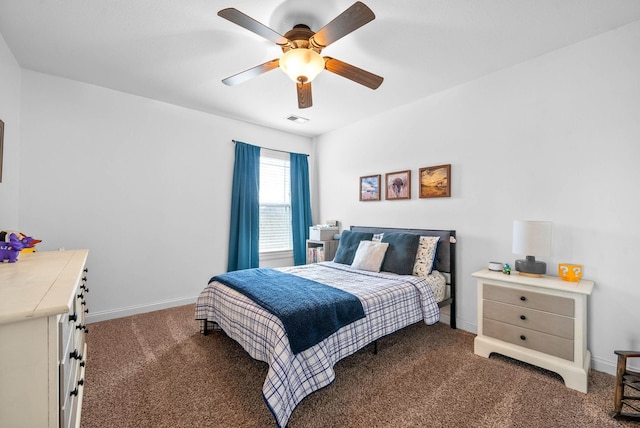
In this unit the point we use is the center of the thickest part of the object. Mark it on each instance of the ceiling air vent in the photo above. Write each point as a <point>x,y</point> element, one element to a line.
<point>297,119</point>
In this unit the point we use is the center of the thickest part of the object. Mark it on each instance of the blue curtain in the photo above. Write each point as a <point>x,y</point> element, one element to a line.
<point>300,206</point>
<point>245,209</point>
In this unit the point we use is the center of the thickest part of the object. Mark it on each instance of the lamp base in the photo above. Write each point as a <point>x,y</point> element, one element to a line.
<point>531,267</point>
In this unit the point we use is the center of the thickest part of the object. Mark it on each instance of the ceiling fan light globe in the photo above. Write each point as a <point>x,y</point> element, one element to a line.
<point>301,64</point>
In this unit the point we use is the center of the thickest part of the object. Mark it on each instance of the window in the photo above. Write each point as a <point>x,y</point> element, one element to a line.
<point>275,202</point>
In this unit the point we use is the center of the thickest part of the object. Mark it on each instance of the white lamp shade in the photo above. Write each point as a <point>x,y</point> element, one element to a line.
<point>301,63</point>
<point>532,238</point>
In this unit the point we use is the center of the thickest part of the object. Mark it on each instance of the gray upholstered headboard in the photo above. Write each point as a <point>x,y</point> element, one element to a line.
<point>445,255</point>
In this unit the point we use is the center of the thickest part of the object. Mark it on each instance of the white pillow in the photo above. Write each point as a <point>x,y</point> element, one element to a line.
<point>369,255</point>
<point>426,255</point>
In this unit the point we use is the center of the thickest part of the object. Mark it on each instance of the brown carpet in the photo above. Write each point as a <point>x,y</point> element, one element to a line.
<point>157,370</point>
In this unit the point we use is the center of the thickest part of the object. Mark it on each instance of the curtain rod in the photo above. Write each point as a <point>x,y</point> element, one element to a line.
<point>267,148</point>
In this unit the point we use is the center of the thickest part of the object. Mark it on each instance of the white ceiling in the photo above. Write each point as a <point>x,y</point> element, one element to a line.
<point>179,51</point>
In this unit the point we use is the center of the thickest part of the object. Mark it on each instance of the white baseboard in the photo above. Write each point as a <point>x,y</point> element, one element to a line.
<point>604,366</point>
<point>138,309</point>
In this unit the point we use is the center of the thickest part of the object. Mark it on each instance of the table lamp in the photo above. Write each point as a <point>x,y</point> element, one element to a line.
<point>531,239</point>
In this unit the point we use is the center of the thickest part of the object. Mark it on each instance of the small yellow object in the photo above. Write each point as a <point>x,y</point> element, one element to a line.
<point>28,250</point>
<point>569,272</point>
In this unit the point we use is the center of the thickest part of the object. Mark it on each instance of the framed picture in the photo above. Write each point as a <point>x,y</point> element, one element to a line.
<point>370,188</point>
<point>398,185</point>
<point>435,181</point>
<point>1,146</point>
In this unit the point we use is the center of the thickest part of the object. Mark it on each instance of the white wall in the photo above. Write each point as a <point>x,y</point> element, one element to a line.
<point>556,138</point>
<point>10,115</point>
<point>145,185</point>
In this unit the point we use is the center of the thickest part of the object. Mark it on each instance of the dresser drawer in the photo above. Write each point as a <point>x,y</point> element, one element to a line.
<point>529,299</point>
<point>531,319</point>
<point>531,339</point>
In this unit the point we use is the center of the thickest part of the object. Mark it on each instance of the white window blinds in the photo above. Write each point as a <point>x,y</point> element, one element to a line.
<point>275,202</point>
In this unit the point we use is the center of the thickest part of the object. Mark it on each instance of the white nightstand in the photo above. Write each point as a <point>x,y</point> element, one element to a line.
<point>541,321</point>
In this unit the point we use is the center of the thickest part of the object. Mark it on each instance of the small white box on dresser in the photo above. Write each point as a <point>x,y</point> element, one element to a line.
<point>541,321</point>
<point>322,233</point>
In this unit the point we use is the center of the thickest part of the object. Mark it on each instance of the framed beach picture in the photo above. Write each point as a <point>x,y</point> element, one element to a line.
<point>370,188</point>
<point>398,185</point>
<point>435,181</point>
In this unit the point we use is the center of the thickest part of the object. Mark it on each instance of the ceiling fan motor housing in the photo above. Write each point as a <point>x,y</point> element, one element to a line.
<point>300,36</point>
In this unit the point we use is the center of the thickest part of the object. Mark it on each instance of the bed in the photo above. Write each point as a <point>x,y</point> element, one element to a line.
<point>389,300</point>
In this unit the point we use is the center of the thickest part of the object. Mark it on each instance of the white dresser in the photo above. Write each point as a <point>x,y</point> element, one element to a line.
<point>541,321</point>
<point>42,339</point>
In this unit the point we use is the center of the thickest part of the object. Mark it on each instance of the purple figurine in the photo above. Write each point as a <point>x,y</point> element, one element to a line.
<point>10,250</point>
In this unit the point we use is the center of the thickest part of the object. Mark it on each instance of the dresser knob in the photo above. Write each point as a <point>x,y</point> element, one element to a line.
<point>522,317</point>
<point>76,355</point>
<point>523,337</point>
<point>85,270</point>
<point>81,327</point>
<point>80,296</point>
<point>73,317</point>
<point>74,392</point>
<point>81,382</point>
<point>523,298</point>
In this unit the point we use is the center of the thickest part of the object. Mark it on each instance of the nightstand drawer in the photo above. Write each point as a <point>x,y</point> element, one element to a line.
<point>529,299</point>
<point>531,319</point>
<point>542,342</point>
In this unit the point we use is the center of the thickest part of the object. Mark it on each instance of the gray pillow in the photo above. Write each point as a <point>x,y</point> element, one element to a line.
<point>348,246</point>
<point>401,254</point>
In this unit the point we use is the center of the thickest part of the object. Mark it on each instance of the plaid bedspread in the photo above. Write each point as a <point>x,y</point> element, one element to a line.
<point>390,302</point>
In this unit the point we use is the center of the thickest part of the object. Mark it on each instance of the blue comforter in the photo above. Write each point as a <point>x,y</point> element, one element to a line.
<point>310,311</point>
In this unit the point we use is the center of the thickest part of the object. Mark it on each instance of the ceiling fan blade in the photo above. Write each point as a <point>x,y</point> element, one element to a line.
<point>352,72</point>
<point>256,71</point>
<point>350,20</point>
<point>245,21</point>
<point>304,95</point>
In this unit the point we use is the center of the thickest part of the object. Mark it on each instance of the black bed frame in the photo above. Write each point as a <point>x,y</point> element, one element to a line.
<point>445,257</point>
<point>445,262</point>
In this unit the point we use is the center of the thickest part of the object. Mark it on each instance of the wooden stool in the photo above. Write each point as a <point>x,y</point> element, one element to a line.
<point>627,378</point>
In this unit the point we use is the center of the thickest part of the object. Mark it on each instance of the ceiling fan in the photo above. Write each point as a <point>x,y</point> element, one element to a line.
<point>301,48</point>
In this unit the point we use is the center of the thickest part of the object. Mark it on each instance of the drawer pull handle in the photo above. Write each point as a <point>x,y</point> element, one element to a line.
<point>523,298</point>
<point>73,317</point>
<point>74,392</point>
<point>76,355</point>
<point>522,317</point>
<point>86,311</point>
<point>82,364</point>
<point>81,382</point>
<point>85,270</point>
<point>523,337</point>
<point>81,327</point>
<point>80,296</point>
